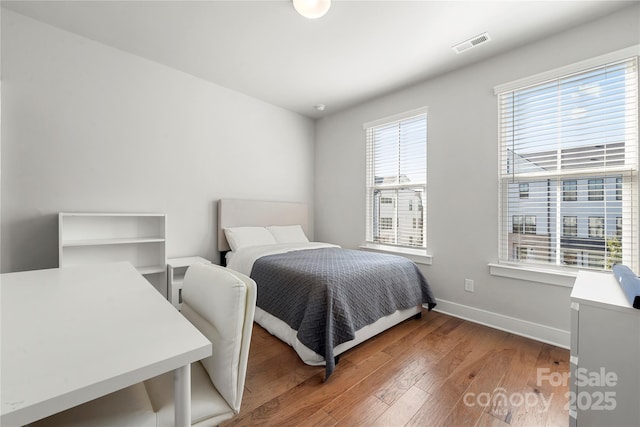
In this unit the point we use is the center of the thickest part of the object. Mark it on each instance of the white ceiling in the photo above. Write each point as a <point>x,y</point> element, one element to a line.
<point>357,51</point>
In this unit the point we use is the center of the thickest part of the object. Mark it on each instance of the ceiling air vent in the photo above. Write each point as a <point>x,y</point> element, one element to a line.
<point>471,43</point>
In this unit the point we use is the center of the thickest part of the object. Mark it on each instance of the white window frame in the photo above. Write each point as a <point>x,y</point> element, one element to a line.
<point>561,276</point>
<point>417,254</point>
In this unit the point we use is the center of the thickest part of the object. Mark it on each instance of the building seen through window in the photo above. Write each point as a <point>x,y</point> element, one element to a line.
<point>568,169</point>
<point>397,180</point>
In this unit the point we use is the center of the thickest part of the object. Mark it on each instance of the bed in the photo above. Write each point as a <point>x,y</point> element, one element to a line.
<point>317,297</point>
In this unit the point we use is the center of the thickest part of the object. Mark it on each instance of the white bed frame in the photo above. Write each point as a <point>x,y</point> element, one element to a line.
<point>239,213</point>
<point>242,213</point>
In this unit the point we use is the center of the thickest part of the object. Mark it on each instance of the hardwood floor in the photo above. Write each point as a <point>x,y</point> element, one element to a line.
<point>435,371</point>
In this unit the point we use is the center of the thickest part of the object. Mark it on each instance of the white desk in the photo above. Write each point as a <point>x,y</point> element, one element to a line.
<point>73,334</point>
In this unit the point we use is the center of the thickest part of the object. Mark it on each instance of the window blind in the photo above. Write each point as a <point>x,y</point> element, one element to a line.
<point>397,180</point>
<point>568,169</point>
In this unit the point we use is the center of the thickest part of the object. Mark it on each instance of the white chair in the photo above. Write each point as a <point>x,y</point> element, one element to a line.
<point>221,304</point>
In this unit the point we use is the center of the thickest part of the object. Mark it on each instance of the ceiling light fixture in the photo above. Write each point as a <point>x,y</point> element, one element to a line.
<point>312,9</point>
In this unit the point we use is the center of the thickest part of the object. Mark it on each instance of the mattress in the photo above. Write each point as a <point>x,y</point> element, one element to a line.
<point>285,333</point>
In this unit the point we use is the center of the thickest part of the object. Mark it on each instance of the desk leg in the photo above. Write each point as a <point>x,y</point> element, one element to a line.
<point>182,395</point>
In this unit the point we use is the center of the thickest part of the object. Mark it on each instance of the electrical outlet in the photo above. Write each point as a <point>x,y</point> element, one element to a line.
<point>468,285</point>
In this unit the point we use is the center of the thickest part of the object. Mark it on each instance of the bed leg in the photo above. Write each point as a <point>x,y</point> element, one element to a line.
<point>336,359</point>
<point>417,316</point>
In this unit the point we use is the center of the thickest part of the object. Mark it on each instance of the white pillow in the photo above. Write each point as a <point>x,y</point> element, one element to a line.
<point>288,233</point>
<point>241,237</point>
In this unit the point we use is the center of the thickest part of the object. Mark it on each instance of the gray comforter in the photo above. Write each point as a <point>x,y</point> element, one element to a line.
<point>328,294</point>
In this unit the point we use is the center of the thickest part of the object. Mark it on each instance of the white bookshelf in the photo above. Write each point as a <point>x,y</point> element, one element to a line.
<point>93,238</point>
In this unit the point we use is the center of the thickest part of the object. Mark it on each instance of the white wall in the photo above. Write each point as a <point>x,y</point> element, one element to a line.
<point>462,200</point>
<point>86,127</point>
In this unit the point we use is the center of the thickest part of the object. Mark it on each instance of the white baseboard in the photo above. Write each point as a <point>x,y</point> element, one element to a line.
<point>546,334</point>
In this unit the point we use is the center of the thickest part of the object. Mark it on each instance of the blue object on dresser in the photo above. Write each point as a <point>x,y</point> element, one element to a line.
<point>629,282</point>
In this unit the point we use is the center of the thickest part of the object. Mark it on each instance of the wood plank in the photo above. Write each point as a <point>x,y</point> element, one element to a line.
<point>467,350</point>
<point>445,395</point>
<point>391,381</point>
<point>549,398</point>
<point>313,394</point>
<point>363,412</point>
<point>416,373</point>
<point>467,411</point>
<point>428,321</point>
<point>403,409</point>
<point>348,402</point>
<point>264,346</point>
<point>274,363</point>
<point>437,330</point>
<point>558,410</point>
<point>517,374</point>
<point>488,420</point>
<point>320,419</point>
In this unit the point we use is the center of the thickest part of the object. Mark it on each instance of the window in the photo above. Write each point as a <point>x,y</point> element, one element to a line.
<point>524,224</point>
<point>619,227</point>
<point>595,260</point>
<point>517,222</point>
<point>596,227</point>
<point>570,258</point>
<point>568,156</point>
<point>570,226</point>
<point>386,223</point>
<point>570,191</point>
<point>397,180</point>
<point>596,190</point>
<point>522,252</point>
<point>530,224</point>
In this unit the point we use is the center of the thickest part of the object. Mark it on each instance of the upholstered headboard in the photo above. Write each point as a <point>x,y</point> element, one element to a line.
<point>243,213</point>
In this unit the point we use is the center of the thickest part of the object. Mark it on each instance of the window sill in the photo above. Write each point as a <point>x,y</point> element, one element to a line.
<point>540,275</point>
<point>418,256</point>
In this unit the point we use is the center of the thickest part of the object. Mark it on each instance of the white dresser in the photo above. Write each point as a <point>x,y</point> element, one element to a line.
<point>605,354</point>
